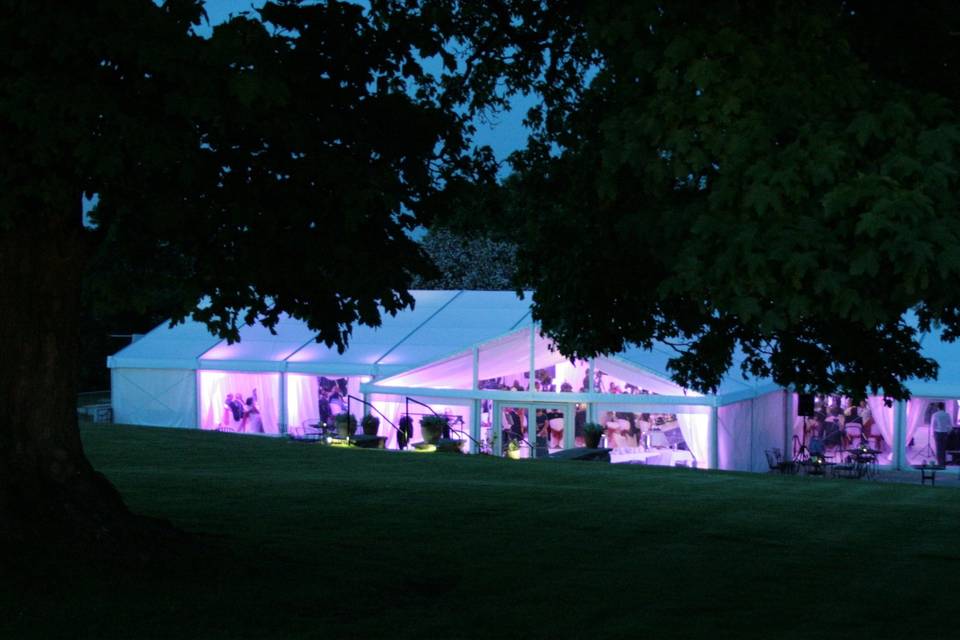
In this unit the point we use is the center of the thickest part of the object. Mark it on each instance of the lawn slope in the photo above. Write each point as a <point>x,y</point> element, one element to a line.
<point>306,541</point>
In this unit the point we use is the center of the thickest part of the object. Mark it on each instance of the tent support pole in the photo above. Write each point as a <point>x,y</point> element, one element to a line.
<point>282,427</point>
<point>787,420</point>
<point>899,434</point>
<point>196,395</point>
<point>475,424</point>
<point>476,369</point>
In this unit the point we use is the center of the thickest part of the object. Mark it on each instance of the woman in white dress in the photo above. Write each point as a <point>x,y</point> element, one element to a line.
<point>251,422</point>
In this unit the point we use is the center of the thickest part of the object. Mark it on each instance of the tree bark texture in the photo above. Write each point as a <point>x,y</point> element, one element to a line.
<point>48,489</point>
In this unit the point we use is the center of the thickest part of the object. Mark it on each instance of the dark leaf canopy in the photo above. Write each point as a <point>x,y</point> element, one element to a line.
<point>776,178</point>
<point>276,166</point>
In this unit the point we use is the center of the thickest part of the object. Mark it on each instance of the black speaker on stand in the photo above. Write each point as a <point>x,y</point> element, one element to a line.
<point>805,405</point>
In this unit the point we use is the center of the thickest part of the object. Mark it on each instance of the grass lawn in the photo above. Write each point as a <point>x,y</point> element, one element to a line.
<point>307,541</point>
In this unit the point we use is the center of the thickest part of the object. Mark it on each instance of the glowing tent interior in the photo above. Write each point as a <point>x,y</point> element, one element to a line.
<point>477,358</point>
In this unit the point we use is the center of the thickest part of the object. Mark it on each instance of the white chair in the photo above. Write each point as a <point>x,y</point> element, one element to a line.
<point>658,440</point>
<point>555,426</point>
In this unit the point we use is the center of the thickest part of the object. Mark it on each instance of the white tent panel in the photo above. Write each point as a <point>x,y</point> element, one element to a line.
<point>166,347</point>
<point>453,373</point>
<point>258,345</point>
<point>770,426</point>
<point>468,318</point>
<point>734,423</point>
<point>746,429</point>
<point>155,397</point>
<point>369,344</point>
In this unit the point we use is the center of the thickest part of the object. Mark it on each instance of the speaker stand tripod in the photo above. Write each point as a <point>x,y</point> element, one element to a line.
<point>928,451</point>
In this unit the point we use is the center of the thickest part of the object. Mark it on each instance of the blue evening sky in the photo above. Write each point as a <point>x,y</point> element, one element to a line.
<point>504,133</point>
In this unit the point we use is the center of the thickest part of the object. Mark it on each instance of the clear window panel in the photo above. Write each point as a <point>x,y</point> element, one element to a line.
<point>548,431</point>
<point>579,419</point>
<point>839,428</point>
<point>656,435</point>
<point>556,374</point>
<point>514,429</point>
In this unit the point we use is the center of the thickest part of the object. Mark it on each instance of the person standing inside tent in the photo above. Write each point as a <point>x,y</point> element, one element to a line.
<point>941,424</point>
<point>226,422</point>
<point>252,423</point>
<point>236,407</point>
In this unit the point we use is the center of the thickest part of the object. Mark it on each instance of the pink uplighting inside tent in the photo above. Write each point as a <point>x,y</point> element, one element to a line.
<point>253,406</point>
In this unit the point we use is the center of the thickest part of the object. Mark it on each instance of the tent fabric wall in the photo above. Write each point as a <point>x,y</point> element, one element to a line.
<point>452,373</point>
<point>746,429</point>
<point>156,397</point>
<point>637,376</point>
<point>769,428</point>
<point>696,432</point>
<point>735,447</point>
<point>302,401</point>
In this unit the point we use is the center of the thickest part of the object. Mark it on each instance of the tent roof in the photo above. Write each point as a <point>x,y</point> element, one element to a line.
<point>166,347</point>
<point>443,323</point>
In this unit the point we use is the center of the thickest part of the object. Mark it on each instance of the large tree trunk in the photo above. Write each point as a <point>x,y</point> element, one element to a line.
<point>48,489</point>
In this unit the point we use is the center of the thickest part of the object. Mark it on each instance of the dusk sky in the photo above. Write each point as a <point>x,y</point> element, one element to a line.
<point>504,135</point>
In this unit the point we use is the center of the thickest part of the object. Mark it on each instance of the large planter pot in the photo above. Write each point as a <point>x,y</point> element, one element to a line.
<point>513,454</point>
<point>431,427</point>
<point>592,432</point>
<point>371,425</point>
<point>592,440</point>
<point>346,427</point>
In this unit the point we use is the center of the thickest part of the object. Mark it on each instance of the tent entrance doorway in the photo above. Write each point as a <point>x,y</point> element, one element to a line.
<point>532,430</point>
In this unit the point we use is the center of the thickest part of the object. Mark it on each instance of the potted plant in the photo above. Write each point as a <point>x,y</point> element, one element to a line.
<point>513,450</point>
<point>432,428</point>
<point>370,425</point>
<point>346,424</point>
<point>591,434</point>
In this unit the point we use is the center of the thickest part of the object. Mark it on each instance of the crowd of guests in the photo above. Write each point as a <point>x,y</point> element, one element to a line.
<point>544,381</point>
<point>628,429</point>
<point>242,416</point>
<point>836,426</point>
<point>332,398</point>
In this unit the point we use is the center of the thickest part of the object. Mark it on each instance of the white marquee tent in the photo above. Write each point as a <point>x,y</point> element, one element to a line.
<point>473,355</point>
